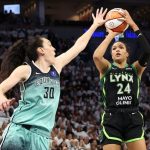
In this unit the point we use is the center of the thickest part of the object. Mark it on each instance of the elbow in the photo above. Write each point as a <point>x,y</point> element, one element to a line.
<point>95,56</point>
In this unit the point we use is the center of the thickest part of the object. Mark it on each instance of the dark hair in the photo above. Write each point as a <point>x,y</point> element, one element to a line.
<point>33,44</point>
<point>17,54</point>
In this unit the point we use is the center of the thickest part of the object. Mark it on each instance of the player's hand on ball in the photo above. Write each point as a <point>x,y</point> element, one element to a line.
<point>112,32</point>
<point>98,19</point>
<point>127,18</point>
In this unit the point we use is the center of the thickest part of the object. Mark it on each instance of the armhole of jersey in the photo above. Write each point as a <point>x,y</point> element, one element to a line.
<point>106,72</point>
<point>29,73</point>
<point>56,70</point>
<point>135,72</point>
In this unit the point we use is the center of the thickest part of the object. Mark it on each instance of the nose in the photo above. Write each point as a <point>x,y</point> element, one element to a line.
<point>117,50</point>
<point>54,49</point>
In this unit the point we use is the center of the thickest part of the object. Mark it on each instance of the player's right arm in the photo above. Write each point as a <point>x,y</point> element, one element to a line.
<point>101,63</point>
<point>21,73</point>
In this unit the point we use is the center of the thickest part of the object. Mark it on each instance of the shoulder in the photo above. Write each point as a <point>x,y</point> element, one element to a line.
<point>23,71</point>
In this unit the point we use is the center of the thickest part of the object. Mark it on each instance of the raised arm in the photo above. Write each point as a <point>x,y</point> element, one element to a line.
<point>142,61</point>
<point>101,63</point>
<point>81,42</point>
<point>19,74</point>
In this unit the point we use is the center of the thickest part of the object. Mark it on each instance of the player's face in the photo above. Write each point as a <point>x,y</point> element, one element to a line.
<point>119,52</point>
<point>49,51</point>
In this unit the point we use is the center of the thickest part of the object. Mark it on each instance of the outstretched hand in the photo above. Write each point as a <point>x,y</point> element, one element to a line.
<point>98,19</point>
<point>5,104</point>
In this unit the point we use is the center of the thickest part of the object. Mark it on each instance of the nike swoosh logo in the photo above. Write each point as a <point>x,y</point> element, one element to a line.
<point>37,73</point>
<point>139,34</point>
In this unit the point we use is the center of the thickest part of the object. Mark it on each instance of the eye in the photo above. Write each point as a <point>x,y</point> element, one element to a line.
<point>113,48</point>
<point>121,47</point>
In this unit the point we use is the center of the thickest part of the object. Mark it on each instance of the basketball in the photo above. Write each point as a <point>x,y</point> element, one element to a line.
<point>114,21</point>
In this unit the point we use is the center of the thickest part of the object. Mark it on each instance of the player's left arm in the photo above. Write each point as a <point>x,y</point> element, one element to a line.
<point>81,42</point>
<point>142,62</point>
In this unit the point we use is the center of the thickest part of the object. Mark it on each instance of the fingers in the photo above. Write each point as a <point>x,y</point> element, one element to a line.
<point>97,12</point>
<point>121,19</point>
<point>12,101</point>
<point>93,16</point>
<point>101,10</point>
<point>105,11</point>
<point>5,105</point>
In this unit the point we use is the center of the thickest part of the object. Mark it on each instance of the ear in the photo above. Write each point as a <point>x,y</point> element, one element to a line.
<point>127,54</point>
<point>40,50</point>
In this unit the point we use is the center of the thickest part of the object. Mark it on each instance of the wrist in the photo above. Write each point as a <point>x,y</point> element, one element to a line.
<point>112,35</point>
<point>138,32</point>
<point>95,25</point>
<point>134,27</point>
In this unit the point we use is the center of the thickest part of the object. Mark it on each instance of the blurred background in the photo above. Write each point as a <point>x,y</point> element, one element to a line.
<point>62,22</point>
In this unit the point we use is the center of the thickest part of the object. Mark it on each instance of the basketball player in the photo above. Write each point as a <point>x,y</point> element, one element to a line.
<point>121,120</point>
<point>34,118</point>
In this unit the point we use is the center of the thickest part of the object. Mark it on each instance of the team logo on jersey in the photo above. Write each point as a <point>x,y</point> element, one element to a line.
<point>53,73</point>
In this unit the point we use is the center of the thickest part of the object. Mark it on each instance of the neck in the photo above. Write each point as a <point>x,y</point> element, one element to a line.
<point>42,65</point>
<point>121,64</point>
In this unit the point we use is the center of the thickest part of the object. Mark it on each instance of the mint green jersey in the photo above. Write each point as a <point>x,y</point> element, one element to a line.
<point>39,99</point>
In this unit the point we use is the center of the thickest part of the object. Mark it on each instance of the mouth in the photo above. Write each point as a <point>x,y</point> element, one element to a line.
<point>118,54</point>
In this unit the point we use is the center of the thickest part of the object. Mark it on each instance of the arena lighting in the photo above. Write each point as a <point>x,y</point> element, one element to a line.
<point>130,34</point>
<point>101,34</point>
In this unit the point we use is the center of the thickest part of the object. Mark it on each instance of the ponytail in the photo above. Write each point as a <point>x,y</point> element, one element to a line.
<point>19,52</point>
<point>13,58</point>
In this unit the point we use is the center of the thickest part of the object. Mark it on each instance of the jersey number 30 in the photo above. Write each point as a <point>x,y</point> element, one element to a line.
<point>49,93</point>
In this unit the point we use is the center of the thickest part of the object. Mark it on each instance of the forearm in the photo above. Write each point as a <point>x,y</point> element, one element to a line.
<point>79,46</point>
<point>83,40</point>
<point>101,49</point>
<point>134,26</point>
<point>144,45</point>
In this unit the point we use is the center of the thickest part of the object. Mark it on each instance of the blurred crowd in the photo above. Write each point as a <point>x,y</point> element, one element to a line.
<point>78,116</point>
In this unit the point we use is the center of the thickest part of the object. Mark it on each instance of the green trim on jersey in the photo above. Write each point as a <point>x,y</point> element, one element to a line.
<point>106,72</point>
<point>116,83</point>
<point>138,81</point>
<point>135,71</point>
<point>102,80</point>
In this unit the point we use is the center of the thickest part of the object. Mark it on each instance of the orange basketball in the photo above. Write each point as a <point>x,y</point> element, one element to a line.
<point>114,23</point>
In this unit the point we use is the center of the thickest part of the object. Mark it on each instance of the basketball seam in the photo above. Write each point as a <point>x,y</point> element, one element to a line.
<point>124,29</point>
<point>114,18</point>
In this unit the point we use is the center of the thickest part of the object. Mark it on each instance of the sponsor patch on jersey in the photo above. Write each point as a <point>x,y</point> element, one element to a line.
<point>128,68</point>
